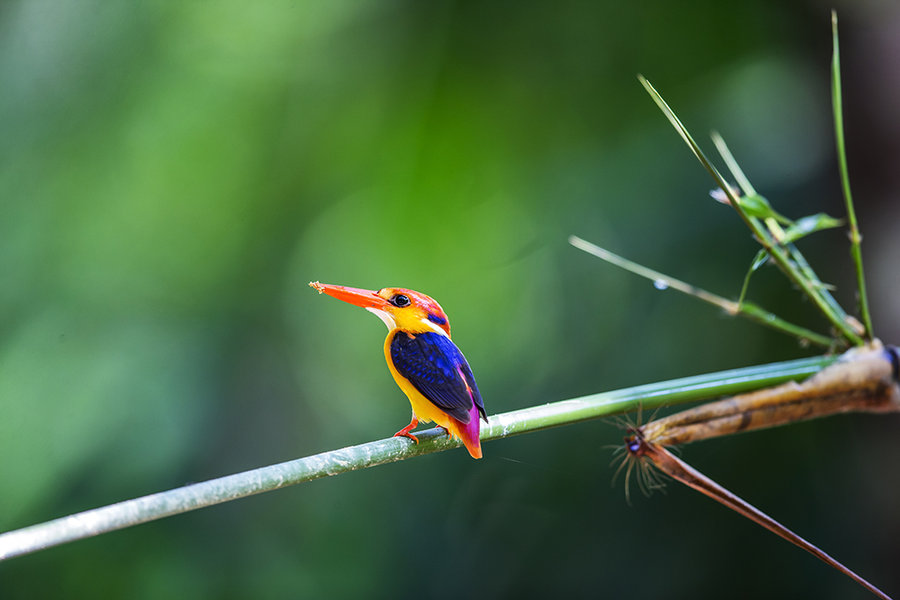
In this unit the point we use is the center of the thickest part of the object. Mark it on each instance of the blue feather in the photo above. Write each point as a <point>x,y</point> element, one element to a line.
<point>439,371</point>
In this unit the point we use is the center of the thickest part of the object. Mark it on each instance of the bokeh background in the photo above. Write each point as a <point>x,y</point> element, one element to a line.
<point>172,174</point>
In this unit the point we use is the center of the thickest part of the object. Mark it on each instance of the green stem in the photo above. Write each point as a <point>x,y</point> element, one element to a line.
<point>215,491</point>
<point>855,237</point>
<point>745,309</point>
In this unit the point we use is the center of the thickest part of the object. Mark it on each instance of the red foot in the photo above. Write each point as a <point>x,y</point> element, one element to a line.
<point>405,432</point>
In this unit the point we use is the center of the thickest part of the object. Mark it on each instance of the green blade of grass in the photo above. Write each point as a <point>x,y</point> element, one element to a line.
<point>761,257</point>
<point>736,171</point>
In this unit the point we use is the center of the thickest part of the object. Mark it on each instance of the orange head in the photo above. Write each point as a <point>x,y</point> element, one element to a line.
<point>399,308</point>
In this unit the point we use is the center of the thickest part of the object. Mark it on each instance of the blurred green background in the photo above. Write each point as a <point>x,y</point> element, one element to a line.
<point>172,174</point>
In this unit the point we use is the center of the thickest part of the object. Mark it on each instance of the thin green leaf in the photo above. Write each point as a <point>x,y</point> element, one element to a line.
<point>760,259</point>
<point>811,224</point>
<point>732,164</point>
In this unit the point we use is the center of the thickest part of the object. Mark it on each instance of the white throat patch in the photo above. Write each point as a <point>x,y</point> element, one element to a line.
<point>385,317</point>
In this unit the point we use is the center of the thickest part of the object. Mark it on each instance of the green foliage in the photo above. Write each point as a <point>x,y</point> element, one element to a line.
<point>807,225</point>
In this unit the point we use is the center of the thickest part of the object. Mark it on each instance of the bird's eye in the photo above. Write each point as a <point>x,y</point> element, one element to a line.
<point>400,300</point>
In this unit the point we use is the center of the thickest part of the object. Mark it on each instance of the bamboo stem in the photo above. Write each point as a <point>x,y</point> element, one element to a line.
<point>863,380</point>
<point>215,491</point>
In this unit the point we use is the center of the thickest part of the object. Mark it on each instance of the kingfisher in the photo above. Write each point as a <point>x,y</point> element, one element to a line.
<point>425,363</point>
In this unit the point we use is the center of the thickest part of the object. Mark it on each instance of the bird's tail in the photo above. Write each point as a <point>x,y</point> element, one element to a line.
<point>470,433</point>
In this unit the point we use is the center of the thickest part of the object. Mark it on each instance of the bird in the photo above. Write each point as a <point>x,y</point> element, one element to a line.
<point>424,362</point>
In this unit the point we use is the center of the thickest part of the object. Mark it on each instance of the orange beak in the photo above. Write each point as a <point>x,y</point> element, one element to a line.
<point>355,296</point>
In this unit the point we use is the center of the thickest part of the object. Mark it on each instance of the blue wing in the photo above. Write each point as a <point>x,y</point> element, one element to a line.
<point>436,367</point>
